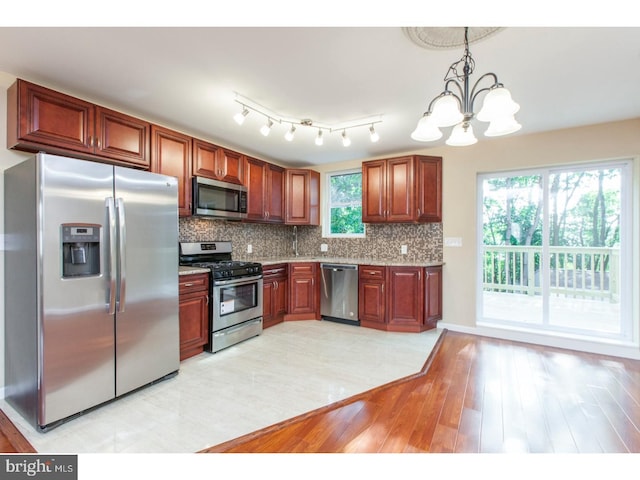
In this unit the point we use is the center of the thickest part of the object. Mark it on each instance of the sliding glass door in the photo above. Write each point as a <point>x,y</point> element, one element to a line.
<point>554,249</point>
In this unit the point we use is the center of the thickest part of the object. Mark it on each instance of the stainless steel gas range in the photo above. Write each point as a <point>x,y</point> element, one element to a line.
<point>235,293</point>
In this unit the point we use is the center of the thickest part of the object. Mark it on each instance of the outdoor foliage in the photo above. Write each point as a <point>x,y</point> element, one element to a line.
<point>583,211</point>
<point>346,203</point>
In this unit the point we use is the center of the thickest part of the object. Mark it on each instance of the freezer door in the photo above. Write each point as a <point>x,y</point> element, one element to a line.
<point>147,328</point>
<point>76,337</point>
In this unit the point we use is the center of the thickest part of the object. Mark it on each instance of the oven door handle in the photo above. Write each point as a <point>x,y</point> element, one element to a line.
<point>236,281</point>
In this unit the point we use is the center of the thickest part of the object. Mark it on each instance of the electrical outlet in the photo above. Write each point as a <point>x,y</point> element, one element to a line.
<point>249,248</point>
<point>324,247</point>
<point>452,241</point>
<point>403,249</point>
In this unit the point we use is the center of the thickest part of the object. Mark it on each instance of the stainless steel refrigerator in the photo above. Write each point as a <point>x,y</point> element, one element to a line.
<point>91,284</point>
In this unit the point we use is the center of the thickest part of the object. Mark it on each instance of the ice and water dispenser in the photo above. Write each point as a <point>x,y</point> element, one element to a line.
<point>80,250</point>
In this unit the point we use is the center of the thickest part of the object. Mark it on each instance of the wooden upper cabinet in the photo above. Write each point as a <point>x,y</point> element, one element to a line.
<point>121,137</point>
<point>302,194</point>
<point>429,185</point>
<point>265,191</point>
<point>41,119</point>
<point>171,155</point>
<point>402,190</point>
<point>217,163</point>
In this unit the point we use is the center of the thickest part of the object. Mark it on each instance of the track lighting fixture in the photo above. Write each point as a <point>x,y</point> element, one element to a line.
<point>272,118</point>
<point>265,129</point>
<point>289,135</point>
<point>346,141</point>
<point>239,117</point>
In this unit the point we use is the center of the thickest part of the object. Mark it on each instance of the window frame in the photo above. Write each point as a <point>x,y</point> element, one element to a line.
<point>326,215</point>
<point>628,328</point>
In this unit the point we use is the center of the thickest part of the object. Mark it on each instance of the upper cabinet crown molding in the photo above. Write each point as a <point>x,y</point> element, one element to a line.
<point>402,190</point>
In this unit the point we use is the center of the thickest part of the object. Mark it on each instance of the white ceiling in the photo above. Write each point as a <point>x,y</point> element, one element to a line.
<point>186,78</point>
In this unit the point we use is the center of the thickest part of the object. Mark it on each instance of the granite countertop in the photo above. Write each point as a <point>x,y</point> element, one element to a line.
<point>351,261</point>
<point>187,270</point>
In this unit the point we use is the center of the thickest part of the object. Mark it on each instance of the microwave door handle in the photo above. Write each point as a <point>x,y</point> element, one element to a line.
<point>111,216</point>
<point>122,244</point>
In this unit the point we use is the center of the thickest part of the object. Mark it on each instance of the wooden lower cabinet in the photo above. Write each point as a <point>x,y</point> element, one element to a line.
<point>193,313</point>
<point>398,298</point>
<point>275,294</point>
<point>304,294</point>
<point>371,296</point>
<point>404,310</point>
<point>432,296</point>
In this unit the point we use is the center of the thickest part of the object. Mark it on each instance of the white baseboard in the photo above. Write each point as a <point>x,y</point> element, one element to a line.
<point>624,350</point>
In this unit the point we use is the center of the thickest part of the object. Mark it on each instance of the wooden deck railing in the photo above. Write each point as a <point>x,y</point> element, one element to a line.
<point>574,272</point>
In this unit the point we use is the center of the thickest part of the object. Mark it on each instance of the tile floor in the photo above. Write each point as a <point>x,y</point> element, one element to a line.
<point>290,369</point>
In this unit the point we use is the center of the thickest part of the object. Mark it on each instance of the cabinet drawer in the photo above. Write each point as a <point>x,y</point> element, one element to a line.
<point>302,268</point>
<point>278,270</point>
<point>193,283</point>
<point>369,271</point>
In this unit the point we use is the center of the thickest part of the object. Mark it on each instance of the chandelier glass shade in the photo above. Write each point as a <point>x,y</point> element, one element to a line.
<point>455,106</point>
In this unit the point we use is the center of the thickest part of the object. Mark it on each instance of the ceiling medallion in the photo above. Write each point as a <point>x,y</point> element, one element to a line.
<point>443,38</point>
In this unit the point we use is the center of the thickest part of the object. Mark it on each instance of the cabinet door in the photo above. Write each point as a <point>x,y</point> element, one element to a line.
<point>374,180</point>
<point>268,288</point>
<point>193,314</point>
<point>121,137</point>
<point>205,159</point>
<point>281,297</point>
<point>405,305</point>
<point>275,194</point>
<point>194,325</point>
<point>429,189</point>
<point>371,296</point>
<point>432,296</point>
<point>231,165</point>
<point>400,190</point>
<point>303,298</point>
<point>171,155</point>
<point>302,197</point>
<point>256,182</point>
<point>47,117</point>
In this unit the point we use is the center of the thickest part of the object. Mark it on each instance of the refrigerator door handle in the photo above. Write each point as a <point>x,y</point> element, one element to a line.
<point>111,215</point>
<point>122,242</point>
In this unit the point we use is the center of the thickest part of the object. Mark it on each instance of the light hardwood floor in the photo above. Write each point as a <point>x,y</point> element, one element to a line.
<point>478,394</point>
<point>474,394</point>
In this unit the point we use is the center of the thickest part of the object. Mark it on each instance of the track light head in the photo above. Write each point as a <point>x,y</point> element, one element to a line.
<point>373,134</point>
<point>265,129</point>
<point>346,141</point>
<point>319,140</point>
<point>289,135</point>
<point>239,117</point>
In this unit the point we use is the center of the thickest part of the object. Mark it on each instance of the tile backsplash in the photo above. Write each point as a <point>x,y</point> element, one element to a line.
<point>382,242</point>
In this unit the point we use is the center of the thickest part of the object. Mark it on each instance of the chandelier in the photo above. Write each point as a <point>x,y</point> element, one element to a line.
<point>455,105</point>
<point>271,118</point>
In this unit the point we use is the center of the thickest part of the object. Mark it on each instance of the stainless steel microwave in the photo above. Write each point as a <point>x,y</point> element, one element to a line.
<point>213,198</point>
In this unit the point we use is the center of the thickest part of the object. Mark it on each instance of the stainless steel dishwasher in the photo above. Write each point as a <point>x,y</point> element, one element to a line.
<point>339,296</point>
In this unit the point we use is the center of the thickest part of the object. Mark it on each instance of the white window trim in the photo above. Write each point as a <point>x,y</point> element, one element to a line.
<point>326,210</point>
<point>629,230</point>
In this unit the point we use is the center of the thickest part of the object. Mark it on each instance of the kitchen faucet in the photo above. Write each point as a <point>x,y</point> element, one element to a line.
<point>295,240</point>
